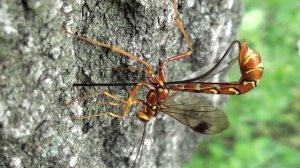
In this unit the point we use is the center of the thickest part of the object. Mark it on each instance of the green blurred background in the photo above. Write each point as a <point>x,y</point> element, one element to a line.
<point>264,123</point>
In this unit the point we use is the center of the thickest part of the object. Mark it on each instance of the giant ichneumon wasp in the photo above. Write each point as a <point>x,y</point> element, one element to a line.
<point>203,118</point>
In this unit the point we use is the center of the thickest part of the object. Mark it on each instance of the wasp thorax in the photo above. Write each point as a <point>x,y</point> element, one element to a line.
<point>163,93</point>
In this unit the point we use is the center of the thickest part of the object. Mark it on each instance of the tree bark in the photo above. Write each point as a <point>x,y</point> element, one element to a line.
<point>39,64</point>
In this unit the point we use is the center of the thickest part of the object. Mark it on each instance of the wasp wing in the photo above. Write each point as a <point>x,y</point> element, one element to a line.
<point>195,112</point>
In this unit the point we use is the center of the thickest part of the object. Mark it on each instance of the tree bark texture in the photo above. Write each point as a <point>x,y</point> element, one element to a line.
<point>39,64</point>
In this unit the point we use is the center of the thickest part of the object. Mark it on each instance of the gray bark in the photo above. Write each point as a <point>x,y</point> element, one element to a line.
<point>39,64</point>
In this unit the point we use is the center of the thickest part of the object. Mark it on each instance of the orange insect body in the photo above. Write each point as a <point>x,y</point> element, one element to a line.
<point>156,96</point>
<point>251,70</point>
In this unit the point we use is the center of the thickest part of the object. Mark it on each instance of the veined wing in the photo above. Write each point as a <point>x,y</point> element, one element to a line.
<point>195,112</point>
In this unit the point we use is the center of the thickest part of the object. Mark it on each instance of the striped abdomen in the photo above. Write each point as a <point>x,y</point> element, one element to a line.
<point>251,71</point>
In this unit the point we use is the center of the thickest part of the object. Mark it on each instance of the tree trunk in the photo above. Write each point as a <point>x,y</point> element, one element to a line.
<point>39,64</point>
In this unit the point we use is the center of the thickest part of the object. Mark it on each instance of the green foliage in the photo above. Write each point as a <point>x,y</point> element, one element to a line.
<point>265,123</point>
